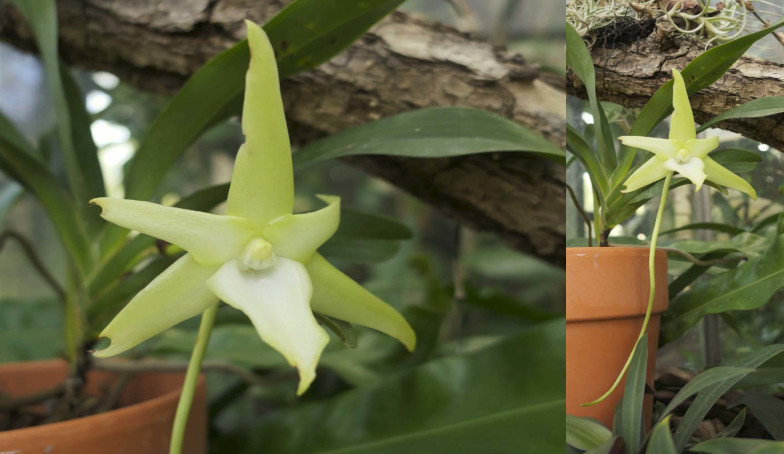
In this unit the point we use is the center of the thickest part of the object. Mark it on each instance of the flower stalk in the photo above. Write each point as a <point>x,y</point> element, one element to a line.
<point>191,378</point>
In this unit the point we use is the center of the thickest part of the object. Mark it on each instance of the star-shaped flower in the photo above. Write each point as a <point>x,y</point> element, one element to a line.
<point>259,257</point>
<point>683,152</point>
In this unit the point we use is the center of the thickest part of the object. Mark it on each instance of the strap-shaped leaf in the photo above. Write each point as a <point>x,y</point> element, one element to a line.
<point>430,133</point>
<point>81,163</point>
<point>585,433</point>
<point>18,160</point>
<point>708,396</point>
<point>756,108</point>
<point>579,60</point>
<point>631,406</point>
<point>661,439</point>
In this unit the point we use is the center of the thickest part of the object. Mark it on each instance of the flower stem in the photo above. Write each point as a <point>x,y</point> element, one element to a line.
<point>191,377</point>
<point>651,293</point>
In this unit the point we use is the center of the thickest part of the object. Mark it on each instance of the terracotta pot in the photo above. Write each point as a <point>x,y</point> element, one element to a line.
<point>606,298</point>
<point>142,425</point>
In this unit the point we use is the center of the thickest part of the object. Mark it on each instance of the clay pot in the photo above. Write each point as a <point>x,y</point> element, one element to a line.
<point>606,298</point>
<point>142,425</point>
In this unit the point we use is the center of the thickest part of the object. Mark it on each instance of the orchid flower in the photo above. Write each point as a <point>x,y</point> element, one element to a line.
<point>258,257</point>
<point>683,152</point>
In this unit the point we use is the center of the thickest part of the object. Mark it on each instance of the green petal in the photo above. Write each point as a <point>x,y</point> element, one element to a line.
<point>210,238</point>
<point>682,121</point>
<point>297,236</point>
<point>262,187</point>
<point>177,294</point>
<point>721,176</point>
<point>699,148</point>
<point>277,301</point>
<point>664,148</point>
<point>652,171</point>
<point>337,295</point>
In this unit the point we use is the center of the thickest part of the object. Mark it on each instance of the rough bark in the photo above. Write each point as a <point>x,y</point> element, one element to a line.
<point>402,64</point>
<point>631,74</point>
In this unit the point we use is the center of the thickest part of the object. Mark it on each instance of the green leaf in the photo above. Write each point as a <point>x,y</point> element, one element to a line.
<point>739,446</point>
<point>578,146</point>
<point>343,330</point>
<point>746,287</point>
<point>691,274</point>
<point>81,164</point>
<point>749,244</point>
<point>733,427</point>
<point>614,445</point>
<point>632,425</point>
<point>18,160</point>
<point>508,397</point>
<point>360,225</point>
<point>661,439</point>
<point>499,302</point>
<point>712,226</point>
<point>212,94</point>
<point>579,60</point>
<point>430,133</point>
<point>359,251</point>
<point>768,410</point>
<point>736,160</point>
<point>703,381</point>
<point>708,396</point>
<point>585,433</point>
<point>753,109</point>
<point>768,220</point>
<point>82,135</point>
<point>310,32</point>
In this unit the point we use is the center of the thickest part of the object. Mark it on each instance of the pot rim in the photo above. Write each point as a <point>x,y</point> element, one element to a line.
<point>128,410</point>
<point>613,250</point>
<point>611,283</point>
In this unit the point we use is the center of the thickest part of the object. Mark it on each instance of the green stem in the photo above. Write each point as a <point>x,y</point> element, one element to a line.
<point>191,377</point>
<point>651,293</point>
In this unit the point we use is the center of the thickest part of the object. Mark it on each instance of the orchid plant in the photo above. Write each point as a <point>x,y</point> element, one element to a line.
<point>683,154</point>
<point>607,147</point>
<point>258,258</point>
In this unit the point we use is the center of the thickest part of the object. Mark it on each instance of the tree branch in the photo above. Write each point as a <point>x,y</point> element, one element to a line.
<point>402,64</point>
<point>630,75</point>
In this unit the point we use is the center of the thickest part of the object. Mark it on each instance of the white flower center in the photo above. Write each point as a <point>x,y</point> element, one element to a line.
<point>683,156</point>
<point>258,255</point>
